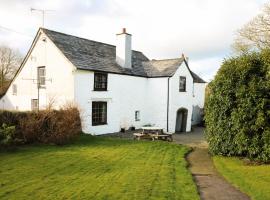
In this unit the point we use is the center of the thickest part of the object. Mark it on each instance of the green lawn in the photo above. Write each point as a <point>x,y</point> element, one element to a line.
<point>97,168</point>
<point>253,180</point>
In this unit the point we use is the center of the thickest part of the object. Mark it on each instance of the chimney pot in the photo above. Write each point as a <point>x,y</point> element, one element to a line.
<point>124,30</point>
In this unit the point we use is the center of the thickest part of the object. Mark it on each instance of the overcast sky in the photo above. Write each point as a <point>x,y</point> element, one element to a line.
<point>201,29</point>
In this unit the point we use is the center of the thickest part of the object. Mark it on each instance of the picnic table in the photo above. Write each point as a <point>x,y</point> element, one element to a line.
<point>153,133</point>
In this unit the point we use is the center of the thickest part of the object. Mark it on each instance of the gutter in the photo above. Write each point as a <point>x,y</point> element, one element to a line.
<point>168,103</point>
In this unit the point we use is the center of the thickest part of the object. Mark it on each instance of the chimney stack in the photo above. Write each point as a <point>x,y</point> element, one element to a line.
<point>123,49</point>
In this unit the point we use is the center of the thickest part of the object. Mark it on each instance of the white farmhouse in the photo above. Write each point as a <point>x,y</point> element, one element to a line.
<point>114,86</point>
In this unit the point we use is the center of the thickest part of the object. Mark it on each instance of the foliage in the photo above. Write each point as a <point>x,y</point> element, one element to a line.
<point>98,168</point>
<point>46,126</point>
<point>255,35</point>
<point>7,135</point>
<point>238,107</point>
<point>251,179</point>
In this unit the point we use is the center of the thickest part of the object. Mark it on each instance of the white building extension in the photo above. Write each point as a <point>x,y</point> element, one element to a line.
<point>114,86</point>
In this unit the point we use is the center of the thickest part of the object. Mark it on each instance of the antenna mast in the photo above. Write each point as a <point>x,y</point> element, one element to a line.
<point>43,12</point>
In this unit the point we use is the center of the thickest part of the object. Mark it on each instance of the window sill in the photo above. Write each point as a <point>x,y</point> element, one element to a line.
<point>100,90</point>
<point>99,124</point>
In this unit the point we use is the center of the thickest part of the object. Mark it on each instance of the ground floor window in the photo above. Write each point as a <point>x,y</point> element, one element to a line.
<point>34,104</point>
<point>99,113</point>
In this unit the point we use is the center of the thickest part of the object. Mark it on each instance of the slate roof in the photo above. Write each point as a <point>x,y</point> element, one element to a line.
<point>97,56</point>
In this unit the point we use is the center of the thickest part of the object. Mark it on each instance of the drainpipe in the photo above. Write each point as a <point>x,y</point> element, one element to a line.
<point>168,103</point>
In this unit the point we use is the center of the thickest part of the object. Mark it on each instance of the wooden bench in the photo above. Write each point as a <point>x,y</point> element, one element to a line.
<point>167,137</point>
<point>139,136</point>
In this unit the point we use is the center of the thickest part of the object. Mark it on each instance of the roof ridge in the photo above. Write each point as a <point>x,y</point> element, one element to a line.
<point>156,60</point>
<point>82,38</point>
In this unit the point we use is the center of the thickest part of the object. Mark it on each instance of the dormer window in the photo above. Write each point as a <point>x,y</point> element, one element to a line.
<point>41,77</point>
<point>100,81</point>
<point>182,84</point>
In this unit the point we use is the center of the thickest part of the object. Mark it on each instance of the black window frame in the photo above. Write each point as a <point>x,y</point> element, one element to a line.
<point>43,84</point>
<point>100,79</point>
<point>182,80</point>
<point>97,118</point>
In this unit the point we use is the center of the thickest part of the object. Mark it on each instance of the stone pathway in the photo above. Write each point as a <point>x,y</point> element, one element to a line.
<point>211,185</point>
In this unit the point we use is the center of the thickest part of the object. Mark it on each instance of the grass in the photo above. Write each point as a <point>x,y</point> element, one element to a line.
<point>97,168</point>
<point>254,180</point>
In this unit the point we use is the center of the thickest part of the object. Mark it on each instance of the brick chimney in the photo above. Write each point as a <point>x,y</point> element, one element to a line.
<point>123,49</point>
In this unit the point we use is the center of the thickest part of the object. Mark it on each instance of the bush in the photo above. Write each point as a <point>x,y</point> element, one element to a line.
<point>7,135</point>
<point>237,110</point>
<point>47,126</point>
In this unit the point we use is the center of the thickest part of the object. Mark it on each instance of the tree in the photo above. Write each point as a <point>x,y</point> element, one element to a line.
<point>255,35</point>
<point>237,110</point>
<point>10,61</point>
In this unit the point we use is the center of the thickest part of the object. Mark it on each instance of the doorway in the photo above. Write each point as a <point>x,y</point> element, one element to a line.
<point>181,120</point>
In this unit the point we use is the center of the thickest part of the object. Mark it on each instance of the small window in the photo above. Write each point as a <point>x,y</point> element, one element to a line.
<point>34,104</point>
<point>99,113</point>
<point>182,84</point>
<point>14,89</point>
<point>41,77</point>
<point>137,115</point>
<point>100,81</point>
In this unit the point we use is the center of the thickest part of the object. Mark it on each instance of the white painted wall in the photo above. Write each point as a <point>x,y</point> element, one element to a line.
<point>180,99</point>
<point>58,70</point>
<point>198,102</point>
<point>125,95</point>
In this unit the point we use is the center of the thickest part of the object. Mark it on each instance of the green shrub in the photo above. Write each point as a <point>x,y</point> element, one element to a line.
<point>237,110</point>
<point>46,126</point>
<point>7,136</point>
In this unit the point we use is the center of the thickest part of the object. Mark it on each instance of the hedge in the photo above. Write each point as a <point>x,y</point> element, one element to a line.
<point>47,126</point>
<point>237,110</point>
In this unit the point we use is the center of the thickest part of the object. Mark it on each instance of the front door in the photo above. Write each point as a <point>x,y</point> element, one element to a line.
<point>181,120</point>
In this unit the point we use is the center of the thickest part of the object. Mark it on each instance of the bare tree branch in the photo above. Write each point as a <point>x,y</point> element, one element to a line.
<point>10,61</point>
<point>254,35</point>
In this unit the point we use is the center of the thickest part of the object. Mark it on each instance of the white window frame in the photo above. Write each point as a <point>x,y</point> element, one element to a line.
<point>34,104</point>
<point>137,115</point>
<point>41,76</point>
<point>14,89</point>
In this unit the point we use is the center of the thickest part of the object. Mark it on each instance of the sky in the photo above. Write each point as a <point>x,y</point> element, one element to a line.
<point>201,29</point>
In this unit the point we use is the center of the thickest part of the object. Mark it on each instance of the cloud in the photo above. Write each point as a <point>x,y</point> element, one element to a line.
<point>202,29</point>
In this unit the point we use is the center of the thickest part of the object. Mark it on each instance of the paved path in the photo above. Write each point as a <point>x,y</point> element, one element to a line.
<point>210,184</point>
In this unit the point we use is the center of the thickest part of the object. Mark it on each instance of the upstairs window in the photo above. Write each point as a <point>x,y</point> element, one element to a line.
<point>100,81</point>
<point>99,113</point>
<point>137,115</point>
<point>182,84</point>
<point>14,89</point>
<point>34,104</point>
<point>41,76</point>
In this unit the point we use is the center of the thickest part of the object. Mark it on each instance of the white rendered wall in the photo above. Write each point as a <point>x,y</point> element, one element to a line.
<point>157,101</point>
<point>125,95</point>
<point>180,99</point>
<point>59,87</point>
<point>198,102</point>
